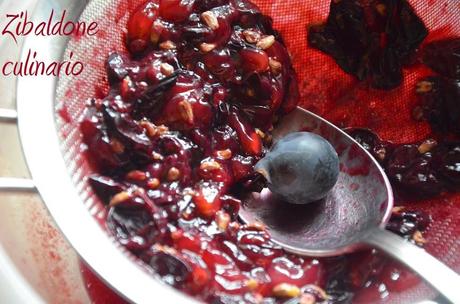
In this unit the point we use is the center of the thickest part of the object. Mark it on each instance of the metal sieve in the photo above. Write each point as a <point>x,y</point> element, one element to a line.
<point>52,145</point>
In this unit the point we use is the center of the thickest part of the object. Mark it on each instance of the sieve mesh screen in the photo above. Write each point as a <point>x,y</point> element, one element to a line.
<point>325,90</point>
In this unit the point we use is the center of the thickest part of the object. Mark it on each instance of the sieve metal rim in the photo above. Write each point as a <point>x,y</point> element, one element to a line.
<point>40,144</point>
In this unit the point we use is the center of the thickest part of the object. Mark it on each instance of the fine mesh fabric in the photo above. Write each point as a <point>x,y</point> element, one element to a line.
<point>325,90</point>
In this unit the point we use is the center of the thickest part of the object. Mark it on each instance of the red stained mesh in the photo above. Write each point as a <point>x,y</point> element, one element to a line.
<point>325,89</point>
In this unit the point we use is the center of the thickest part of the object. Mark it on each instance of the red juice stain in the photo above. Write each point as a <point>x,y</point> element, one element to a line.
<point>76,36</point>
<point>354,186</point>
<point>356,171</point>
<point>68,93</point>
<point>124,8</point>
<point>102,34</point>
<point>46,251</point>
<point>64,114</point>
<point>97,290</point>
<point>79,85</point>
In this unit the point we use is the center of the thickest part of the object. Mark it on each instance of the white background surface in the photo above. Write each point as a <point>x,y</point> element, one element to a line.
<point>13,287</point>
<point>26,271</point>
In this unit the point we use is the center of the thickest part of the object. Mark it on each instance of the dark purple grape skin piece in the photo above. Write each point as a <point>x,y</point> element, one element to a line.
<point>375,50</point>
<point>116,68</point>
<point>378,148</point>
<point>172,269</point>
<point>98,140</point>
<point>125,129</point>
<point>406,223</point>
<point>137,222</point>
<point>421,177</point>
<point>131,134</point>
<point>441,104</point>
<point>413,174</point>
<point>443,57</point>
<point>449,165</point>
<point>150,103</point>
<point>133,227</point>
<point>105,187</point>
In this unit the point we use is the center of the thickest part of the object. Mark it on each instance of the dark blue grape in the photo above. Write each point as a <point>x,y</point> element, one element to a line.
<point>302,167</point>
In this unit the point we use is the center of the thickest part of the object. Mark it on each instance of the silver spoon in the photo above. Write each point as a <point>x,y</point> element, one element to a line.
<point>352,216</point>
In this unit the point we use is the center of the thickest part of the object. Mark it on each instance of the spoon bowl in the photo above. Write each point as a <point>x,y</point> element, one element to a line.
<point>352,216</point>
<point>361,199</point>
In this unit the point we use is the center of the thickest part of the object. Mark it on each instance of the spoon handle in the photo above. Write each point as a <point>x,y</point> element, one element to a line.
<point>434,272</point>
